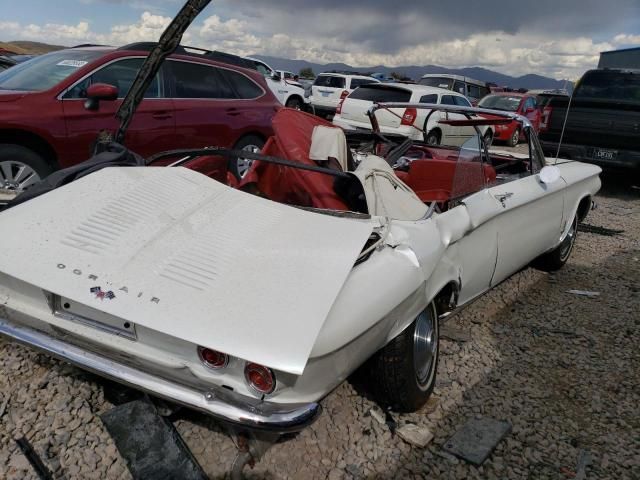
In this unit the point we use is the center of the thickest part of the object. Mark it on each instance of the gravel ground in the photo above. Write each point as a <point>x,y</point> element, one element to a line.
<point>563,369</point>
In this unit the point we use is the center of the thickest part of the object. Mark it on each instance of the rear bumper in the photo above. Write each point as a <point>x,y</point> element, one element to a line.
<point>624,160</point>
<point>218,402</point>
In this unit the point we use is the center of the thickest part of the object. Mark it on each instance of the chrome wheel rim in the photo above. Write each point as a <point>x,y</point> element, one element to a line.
<point>567,243</point>
<point>17,176</point>
<point>245,163</point>
<point>425,344</point>
<point>515,138</point>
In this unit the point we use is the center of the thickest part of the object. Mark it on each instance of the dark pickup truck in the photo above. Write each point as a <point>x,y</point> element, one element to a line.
<point>603,126</point>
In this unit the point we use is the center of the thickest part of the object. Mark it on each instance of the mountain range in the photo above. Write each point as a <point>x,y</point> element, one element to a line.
<point>414,72</point>
<point>529,82</point>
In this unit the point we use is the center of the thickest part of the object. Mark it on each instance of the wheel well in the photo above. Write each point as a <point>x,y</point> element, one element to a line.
<point>251,134</point>
<point>583,208</point>
<point>295,95</point>
<point>436,130</point>
<point>32,142</point>
<point>447,299</point>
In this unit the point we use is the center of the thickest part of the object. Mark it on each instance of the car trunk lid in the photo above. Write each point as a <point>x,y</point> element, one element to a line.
<point>189,257</point>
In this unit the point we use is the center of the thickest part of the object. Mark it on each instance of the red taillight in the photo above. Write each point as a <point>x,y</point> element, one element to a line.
<point>343,95</point>
<point>213,358</point>
<point>545,120</point>
<point>260,378</point>
<point>409,116</point>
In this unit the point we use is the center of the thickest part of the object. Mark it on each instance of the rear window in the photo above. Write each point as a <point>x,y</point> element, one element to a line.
<point>381,94</point>
<point>46,71</point>
<point>330,81</point>
<point>358,82</point>
<point>610,85</point>
<point>245,88</point>
<point>440,82</point>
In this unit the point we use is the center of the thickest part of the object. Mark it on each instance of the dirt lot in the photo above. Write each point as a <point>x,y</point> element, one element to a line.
<point>563,369</point>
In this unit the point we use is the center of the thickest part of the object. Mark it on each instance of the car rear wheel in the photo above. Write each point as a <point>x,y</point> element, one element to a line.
<point>294,103</point>
<point>515,138</point>
<point>488,138</point>
<point>556,258</point>
<point>432,138</point>
<point>240,166</point>
<point>403,373</point>
<point>21,168</point>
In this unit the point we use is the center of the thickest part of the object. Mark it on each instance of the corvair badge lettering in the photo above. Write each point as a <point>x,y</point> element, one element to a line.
<point>110,295</point>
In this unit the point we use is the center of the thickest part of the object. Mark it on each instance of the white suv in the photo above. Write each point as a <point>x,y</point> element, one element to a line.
<point>351,113</point>
<point>329,88</point>
<point>290,93</point>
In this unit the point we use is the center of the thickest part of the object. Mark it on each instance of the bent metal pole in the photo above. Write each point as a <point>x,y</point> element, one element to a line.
<point>169,41</point>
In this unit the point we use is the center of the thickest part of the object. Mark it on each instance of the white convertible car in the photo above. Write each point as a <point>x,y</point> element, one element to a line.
<point>254,307</point>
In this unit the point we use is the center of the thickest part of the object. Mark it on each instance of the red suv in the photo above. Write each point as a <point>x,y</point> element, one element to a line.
<point>53,107</point>
<point>519,103</point>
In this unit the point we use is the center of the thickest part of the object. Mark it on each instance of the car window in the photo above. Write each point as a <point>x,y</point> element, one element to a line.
<point>261,68</point>
<point>473,91</point>
<point>461,101</point>
<point>447,100</point>
<point>330,81</point>
<point>459,87</point>
<point>440,82</point>
<point>121,75</point>
<point>529,103</point>
<point>374,93</point>
<point>607,85</point>
<point>193,80</point>
<point>358,82</point>
<point>433,98</point>
<point>46,71</point>
<point>245,88</point>
<point>484,91</point>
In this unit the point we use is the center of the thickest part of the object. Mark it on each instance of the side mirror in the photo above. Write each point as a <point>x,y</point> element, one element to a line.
<point>530,110</point>
<point>549,174</point>
<point>100,91</point>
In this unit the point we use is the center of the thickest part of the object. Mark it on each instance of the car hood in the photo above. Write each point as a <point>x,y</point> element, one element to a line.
<point>189,257</point>
<point>12,95</point>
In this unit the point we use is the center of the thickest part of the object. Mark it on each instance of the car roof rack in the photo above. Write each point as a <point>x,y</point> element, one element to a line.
<point>85,45</point>
<point>216,55</point>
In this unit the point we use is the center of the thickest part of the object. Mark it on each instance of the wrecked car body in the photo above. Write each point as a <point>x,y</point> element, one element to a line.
<point>252,307</point>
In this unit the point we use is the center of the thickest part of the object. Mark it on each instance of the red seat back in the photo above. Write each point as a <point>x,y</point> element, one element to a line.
<point>292,141</point>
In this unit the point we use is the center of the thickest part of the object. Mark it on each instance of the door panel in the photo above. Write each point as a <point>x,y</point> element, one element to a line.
<point>529,223</point>
<point>152,128</point>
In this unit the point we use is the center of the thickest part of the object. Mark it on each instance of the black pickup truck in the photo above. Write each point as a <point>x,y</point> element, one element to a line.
<point>603,126</point>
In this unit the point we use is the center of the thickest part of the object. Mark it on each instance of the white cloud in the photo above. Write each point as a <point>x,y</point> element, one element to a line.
<point>557,55</point>
<point>626,39</point>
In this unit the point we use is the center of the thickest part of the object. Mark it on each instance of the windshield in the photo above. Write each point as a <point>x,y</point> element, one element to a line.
<point>500,102</point>
<point>46,71</point>
<point>440,82</point>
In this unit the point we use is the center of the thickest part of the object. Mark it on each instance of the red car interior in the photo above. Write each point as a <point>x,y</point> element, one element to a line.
<point>435,174</point>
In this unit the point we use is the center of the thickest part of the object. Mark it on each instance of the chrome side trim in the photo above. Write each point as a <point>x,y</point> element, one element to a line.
<point>218,402</point>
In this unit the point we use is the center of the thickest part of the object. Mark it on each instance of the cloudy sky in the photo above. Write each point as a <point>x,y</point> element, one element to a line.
<point>557,38</point>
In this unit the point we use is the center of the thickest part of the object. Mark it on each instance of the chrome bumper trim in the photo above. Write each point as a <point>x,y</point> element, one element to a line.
<point>219,402</point>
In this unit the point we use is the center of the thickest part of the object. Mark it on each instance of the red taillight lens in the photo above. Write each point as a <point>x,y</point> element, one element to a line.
<point>545,119</point>
<point>409,116</point>
<point>343,95</point>
<point>213,358</point>
<point>260,378</point>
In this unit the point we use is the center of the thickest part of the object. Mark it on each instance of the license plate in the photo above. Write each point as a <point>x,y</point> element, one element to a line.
<point>325,94</point>
<point>603,154</point>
